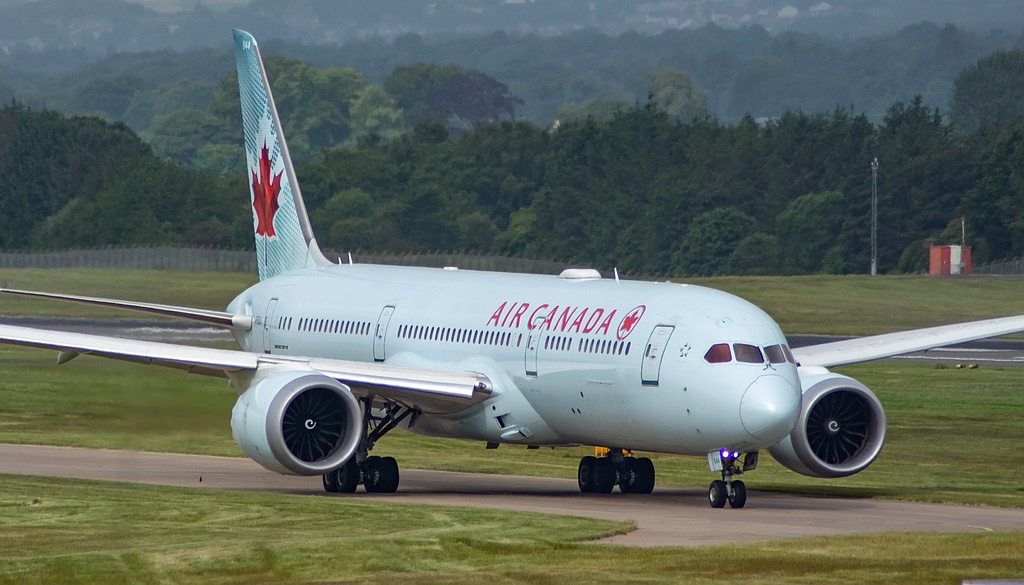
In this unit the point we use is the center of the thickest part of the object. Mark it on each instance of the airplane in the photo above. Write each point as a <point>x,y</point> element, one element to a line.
<point>334,356</point>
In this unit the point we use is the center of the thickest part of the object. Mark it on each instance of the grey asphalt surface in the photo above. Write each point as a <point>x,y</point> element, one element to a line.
<point>671,516</point>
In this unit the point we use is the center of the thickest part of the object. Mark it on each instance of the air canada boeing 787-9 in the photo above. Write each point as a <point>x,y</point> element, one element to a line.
<point>334,356</point>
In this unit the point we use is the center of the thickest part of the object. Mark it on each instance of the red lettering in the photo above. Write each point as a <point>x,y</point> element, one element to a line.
<point>519,313</point>
<point>505,320</point>
<point>496,317</point>
<point>563,319</point>
<point>606,323</point>
<point>595,318</point>
<point>547,320</point>
<point>579,321</point>
<point>533,315</point>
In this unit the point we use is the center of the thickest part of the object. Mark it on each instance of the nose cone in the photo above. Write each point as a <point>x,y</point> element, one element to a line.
<point>769,408</point>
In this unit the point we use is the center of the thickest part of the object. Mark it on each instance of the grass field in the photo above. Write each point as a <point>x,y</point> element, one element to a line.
<point>954,435</point>
<point>59,531</point>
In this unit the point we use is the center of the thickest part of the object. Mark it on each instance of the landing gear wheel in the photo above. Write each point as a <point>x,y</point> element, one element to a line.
<point>738,497</point>
<point>718,494</point>
<point>380,475</point>
<point>643,472</point>
<point>628,478</point>
<point>604,476</point>
<point>347,477</point>
<point>585,474</point>
<point>331,481</point>
<point>371,473</point>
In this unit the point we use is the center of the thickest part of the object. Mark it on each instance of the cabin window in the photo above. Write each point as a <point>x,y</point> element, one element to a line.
<point>718,354</point>
<point>748,354</point>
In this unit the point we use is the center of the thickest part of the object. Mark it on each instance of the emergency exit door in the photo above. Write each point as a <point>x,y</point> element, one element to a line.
<point>650,371</point>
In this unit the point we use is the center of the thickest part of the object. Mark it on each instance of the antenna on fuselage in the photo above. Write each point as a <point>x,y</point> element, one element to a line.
<point>350,262</point>
<point>616,271</point>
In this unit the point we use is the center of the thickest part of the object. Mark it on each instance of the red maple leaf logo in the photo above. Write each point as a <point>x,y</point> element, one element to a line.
<point>629,322</point>
<point>264,195</point>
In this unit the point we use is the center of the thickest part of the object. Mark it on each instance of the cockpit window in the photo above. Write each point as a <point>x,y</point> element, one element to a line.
<point>749,354</point>
<point>718,354</point>
<point>789,354</point>
<point>775,354</point>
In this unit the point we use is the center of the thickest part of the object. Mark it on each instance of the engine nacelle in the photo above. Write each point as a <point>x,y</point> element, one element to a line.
<point>840,430</point>
<point>297,422</point>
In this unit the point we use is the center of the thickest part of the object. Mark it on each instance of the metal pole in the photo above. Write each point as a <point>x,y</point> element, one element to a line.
<point>874,216</point>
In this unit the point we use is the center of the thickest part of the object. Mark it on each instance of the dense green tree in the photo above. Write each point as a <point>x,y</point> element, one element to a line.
<point>990,92</point>
<point>674,92</point>
<point>47,160</point>
<point>146,107</point>
<point>599,110</point>
<point>109,96</point>
<point>471,97</point>
<point>181,134</point>
<point>373,112</point>
<point>710,240</point>
<point>413,86</point>
<point>994,205</point>
<point>807,229</point>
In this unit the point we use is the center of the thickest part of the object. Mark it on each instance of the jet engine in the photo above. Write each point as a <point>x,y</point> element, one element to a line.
<point>840,430</point>
<point>297,422</point>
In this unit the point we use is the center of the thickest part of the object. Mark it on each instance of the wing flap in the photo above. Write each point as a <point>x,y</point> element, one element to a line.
<point>874,347</point>
<point>430,390</point>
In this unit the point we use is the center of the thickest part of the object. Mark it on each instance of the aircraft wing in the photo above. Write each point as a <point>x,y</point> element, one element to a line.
<point>220,318</point>
<point>430,390</point>
<point>863,349</point>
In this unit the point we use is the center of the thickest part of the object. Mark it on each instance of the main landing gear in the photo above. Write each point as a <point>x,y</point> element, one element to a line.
<point>376,474</point>
<point>728,489</point>
<point>617,467</point>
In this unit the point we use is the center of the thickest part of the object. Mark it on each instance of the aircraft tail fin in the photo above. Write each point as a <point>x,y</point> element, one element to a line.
<point>284,236</point>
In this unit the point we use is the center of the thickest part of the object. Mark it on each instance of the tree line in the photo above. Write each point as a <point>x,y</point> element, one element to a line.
<point>740,71</point>
<point>641,188</point>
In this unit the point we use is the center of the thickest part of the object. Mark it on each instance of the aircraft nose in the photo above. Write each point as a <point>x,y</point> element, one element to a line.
<point>769,408</point>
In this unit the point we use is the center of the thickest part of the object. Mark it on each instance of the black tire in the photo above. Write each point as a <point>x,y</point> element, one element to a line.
<point>331,481</point>
<point>371,474</point>
<point>718,494</point>
<point>643,469</point>
<point>738,497</point>
<point>628,477</point>
<point>348,477</point>
<point>604,476</point>
<point>585,474</point>
<point>387,476</point>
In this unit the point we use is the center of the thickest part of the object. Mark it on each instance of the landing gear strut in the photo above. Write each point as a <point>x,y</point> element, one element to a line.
<point>600,475</point>
<point>728,489</point>
<point>376,474</point>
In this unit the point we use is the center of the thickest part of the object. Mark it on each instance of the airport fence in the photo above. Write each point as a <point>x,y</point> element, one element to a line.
<point>1008,267</point>
<point>215,260</point>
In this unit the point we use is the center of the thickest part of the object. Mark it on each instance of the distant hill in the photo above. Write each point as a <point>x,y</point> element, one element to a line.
<point>101,26</point>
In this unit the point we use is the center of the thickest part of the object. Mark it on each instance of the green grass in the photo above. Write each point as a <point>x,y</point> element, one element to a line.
<point>843,305</point>
<point>68,531</point>
<point>863,305</point>
<point>208,290</point>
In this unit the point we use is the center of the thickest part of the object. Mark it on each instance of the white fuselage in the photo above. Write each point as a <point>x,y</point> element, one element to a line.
<point>573,361</point>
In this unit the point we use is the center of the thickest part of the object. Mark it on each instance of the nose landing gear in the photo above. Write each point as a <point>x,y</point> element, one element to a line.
<point>728,489</point>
